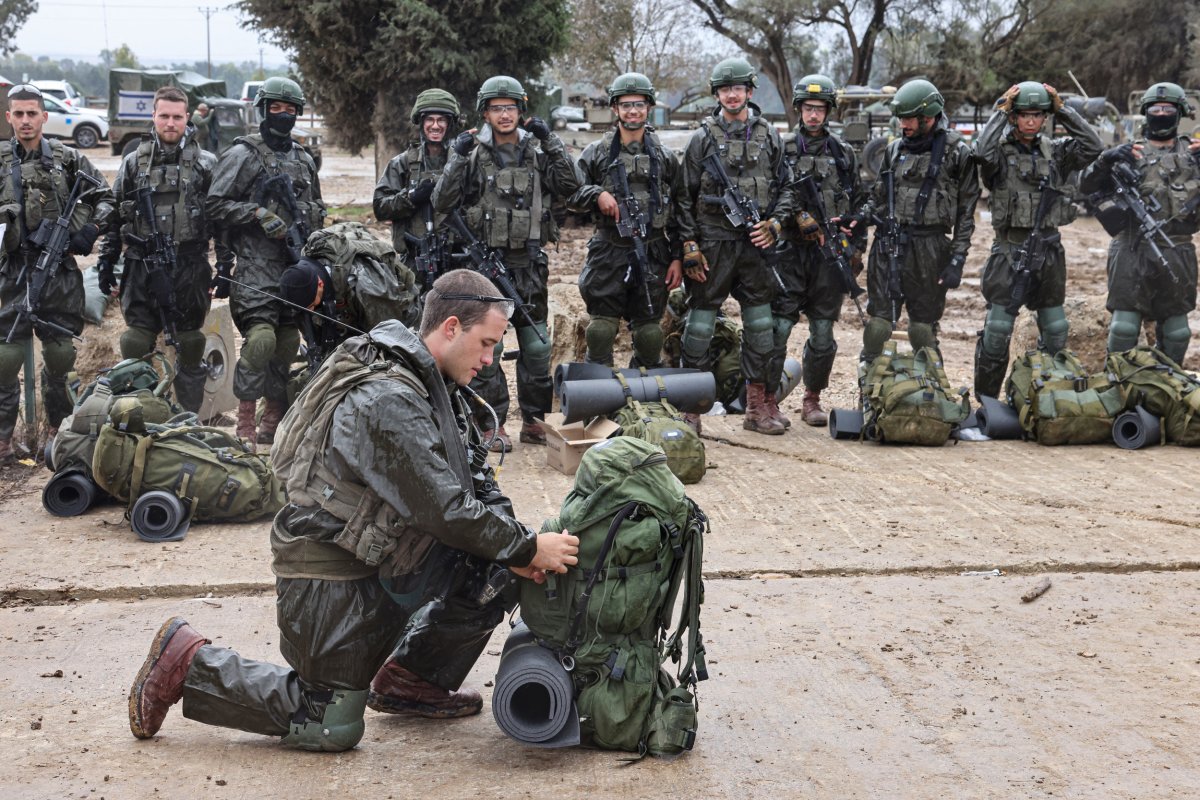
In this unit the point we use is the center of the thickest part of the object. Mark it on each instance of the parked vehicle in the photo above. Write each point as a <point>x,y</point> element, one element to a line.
<point>87,126</point>
<point>250,90</point>
<point>62,91</point>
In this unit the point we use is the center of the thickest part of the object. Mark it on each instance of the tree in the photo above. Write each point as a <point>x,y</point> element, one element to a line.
<point>13,14</point>
<point>364,63</point>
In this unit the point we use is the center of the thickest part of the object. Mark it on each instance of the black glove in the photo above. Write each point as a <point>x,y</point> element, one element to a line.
<point>538,127</point>
<point>1122,152</point>
<point>108,281</point>
<point>420,195</point>
<point>220,281</point>
<point>463,143</point>
<point>83,239</point>
<point>951,276</point>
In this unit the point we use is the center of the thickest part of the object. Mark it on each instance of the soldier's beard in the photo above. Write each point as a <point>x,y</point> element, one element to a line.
<point>633,126</point>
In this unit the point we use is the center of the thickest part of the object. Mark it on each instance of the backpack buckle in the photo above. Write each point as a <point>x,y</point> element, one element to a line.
<point>1081,384</point>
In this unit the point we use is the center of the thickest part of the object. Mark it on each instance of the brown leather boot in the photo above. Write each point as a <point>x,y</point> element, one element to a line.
<point>773,409</point>
<point>272,414</point>
<point>811,411</point>
<point>532,432</point>
<point>500,442</point>
<point>693,420</point>
<point>159,683</point>
<point>758,418</point>
<point>246,429</point>
<point>395,690</point>
<point>7,456</point>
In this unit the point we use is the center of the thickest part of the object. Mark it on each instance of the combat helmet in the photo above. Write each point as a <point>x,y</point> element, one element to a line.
<point>1032,96</point>
<point>815,87</point>
<point>280,88</point>
<point>501,86</point>
<point>733,72</point>
<point>917,98</point>
<point>1167,93</point>
<point>435,101</point>
<point>631,83</point>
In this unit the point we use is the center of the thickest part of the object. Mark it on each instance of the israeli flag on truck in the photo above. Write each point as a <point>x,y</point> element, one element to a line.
<point>135,105</point>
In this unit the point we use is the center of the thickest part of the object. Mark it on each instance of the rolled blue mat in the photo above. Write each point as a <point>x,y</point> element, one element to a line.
<point>534,699</point>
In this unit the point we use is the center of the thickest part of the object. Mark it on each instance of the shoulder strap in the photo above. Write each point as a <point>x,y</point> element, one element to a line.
<point>937,155</point>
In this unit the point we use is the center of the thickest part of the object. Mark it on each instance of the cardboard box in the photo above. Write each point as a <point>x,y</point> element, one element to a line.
<point>566,443</point>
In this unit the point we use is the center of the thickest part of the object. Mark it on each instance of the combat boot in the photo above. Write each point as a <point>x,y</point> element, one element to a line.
<point>7,456</point>
<point>272,414</point>
<point>758,418</point>
<point>246,429</point>
<point>395,690</point>
<point>772,400</point>
<point>500,443</point>
<point>811,411</point>
<point>159,683</point>
<point>532,432</point>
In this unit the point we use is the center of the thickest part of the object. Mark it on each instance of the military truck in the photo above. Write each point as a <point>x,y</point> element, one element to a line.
<point>131,100</point>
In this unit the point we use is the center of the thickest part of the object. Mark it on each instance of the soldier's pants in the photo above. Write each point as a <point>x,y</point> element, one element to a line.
<point>815,289</point>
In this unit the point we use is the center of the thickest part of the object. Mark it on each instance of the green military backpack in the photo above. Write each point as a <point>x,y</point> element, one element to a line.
<point>641,547</point>
<point>212,472</point>
<point>368,275</point>
<point>663,424</point>
<point>907,398</point>
<point>1057,402</point>
<point>1150,379</point>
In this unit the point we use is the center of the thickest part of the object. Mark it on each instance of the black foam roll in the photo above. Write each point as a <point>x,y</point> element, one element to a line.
<point>534,699</point>
<point>1136,429</point>
<point>998,420</point>
<point>692,392</point>
<point>160,516</point>
<point>580,371</point>
<point>69,494</point>
<point>845,423</point>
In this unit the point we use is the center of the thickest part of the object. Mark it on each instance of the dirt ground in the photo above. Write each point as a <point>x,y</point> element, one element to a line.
<point>853,653</point>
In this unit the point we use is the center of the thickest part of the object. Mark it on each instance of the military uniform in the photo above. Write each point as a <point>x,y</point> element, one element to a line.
<point>179,178</point>
<point>403,175</point>
<point>1014,174</point>
<point>655,180</point>
<point>504,192</point>
<point>382,551</point>
<point>36,186</point>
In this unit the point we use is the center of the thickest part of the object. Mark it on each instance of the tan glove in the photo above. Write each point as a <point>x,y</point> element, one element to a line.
<point>765,233</point>
<point>695,265</point>
<point>810,229</point>
<point>1056,102</point>
<point>1005,103</point>
<point>272,224</point>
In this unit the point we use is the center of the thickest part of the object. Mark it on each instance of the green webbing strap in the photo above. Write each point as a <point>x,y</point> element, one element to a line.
<point>638,411</point>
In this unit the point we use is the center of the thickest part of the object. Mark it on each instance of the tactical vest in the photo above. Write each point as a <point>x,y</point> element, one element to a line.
<point>647,182</point>
<point>747,159</point>
<point>513,213</point>
<point>419,169</point>
<point>829,163</point>
<point>373,531</point>
<point>44,184</point>
<point>911,169</point>
<point>178,201</point>
<point>1015,194</point>
<point>1170,177</point>
<point>303,180</point>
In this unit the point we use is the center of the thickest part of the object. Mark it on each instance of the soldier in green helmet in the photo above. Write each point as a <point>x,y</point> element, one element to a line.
<point>814,287</point>
<point>403,195</point>
<point>502,177</point>
<point>1019,161</point>
<point>723,260</point>
<point>654,178</point>
<point>935,184</point>
<point>256,223</point>
<point>1139,286</point>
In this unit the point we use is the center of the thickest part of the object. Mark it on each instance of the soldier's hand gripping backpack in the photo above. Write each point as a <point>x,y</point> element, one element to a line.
<point>1150,379</point>
<point>368,275</point>
<point>1057,402</point>
<point>663,424</point>
<point>907,399</point>
<point>641,547</point>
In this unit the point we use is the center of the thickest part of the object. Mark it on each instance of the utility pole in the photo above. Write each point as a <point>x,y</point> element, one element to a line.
<point>208,12</point>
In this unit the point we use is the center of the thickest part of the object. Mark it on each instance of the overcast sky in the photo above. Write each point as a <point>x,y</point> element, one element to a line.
<point>158,31</point>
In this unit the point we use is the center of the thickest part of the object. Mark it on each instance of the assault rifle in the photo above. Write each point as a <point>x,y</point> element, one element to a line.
<point>490,264</point>
<point>52,238</point>
<point>281,187</point>
<point>430,251</point>
<point>835,245</point>
<point>1125,180</point>
<point>631,223</point>
<point>893,239</point>
<point>1032,252</point>
<point>741,211</point>
<point>160,257</point>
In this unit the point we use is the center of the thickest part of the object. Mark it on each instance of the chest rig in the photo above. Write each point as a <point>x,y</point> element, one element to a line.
<point>302,181</point>
<point>923,194</point>
<point>1016,190</point>
<point>746,154</point>
<point>511,213</point>
<point>644,170</point>
<point>1172,177</point>
<point>39,184</point>
<point>421,167</point>
<point>178,203</point>
<point>825,159</point>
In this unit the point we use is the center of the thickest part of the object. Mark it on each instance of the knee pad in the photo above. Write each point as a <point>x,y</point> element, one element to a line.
<point>12,358</point>
<point>600,334</point>
<point>191,348</point>
<point>1176,336</point>
<point>698,332</point>
<point>137,342</point>
<point>820,336</point>
<point>647,343</point>
<point>1052,322</point>
<point>997,332</point>
<point>1123,331</point>
<point>491,369</point>
<point>756,328</point>
<point>875,336</point>
<point>259,347</point>
<point>58,356</point>
<point>535,354</point>
<point>340,727</point>
<point>920,334</point>
<point>781,331</point>
<point>287,344</point>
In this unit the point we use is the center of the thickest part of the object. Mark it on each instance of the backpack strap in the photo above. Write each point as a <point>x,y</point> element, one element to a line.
<point>692,667</point>
<point>575,634</point>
